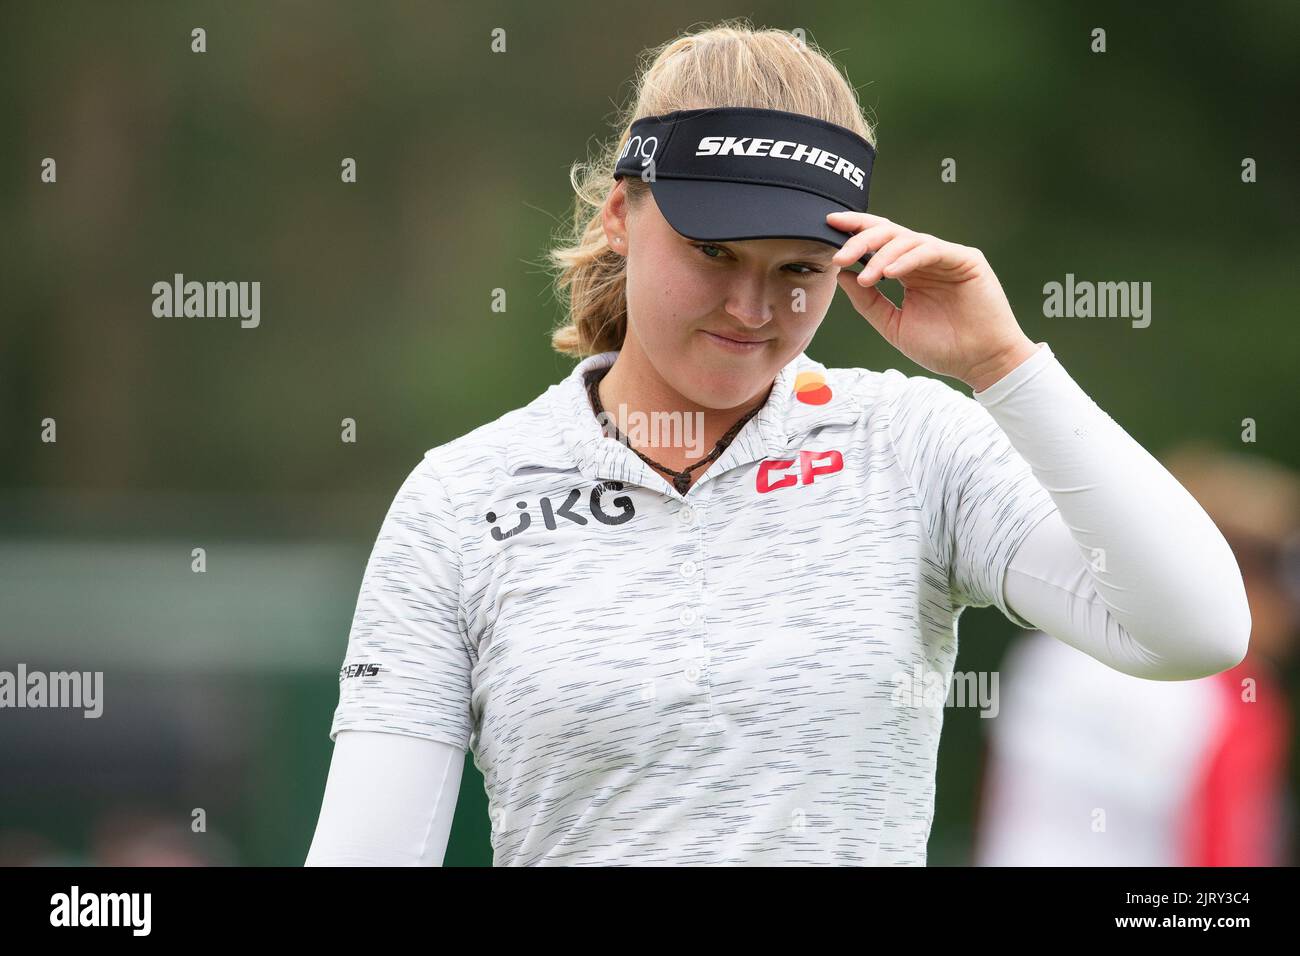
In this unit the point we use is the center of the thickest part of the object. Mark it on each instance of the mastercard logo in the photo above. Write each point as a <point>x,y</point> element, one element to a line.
<point>811,388</point>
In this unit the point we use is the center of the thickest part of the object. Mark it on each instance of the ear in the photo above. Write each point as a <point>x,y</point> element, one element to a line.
<point>614,217</point>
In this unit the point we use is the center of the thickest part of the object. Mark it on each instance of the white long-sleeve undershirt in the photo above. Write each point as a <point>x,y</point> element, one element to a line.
<point>389,801</point>
<point>1129,569</point>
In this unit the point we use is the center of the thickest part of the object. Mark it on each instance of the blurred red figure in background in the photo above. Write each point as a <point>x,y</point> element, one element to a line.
<point>1089,766</point>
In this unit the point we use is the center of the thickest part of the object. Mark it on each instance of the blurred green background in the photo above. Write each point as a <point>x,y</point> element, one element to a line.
<point>183,433</point>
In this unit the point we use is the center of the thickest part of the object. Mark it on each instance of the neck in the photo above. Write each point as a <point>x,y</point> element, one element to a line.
<point>659,421</point>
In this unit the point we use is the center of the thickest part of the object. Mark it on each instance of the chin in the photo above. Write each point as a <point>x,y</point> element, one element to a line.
<point>725,385</point>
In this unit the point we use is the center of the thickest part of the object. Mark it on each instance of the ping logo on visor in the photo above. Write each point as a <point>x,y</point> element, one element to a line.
<point>731,173</point>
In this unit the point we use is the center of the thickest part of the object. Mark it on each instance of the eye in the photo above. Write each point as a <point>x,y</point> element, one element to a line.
<point>702,246</point>
<point>807,269</point>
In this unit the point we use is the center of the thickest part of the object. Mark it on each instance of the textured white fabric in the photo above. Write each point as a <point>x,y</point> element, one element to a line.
<point>646,677</point>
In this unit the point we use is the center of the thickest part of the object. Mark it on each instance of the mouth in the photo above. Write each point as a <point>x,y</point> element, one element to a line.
<point>735,345</point>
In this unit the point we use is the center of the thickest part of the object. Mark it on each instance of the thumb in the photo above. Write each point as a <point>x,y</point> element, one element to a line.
<point>873,304</point>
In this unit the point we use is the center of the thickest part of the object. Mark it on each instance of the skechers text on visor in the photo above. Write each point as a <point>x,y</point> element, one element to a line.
<point>723,174</point>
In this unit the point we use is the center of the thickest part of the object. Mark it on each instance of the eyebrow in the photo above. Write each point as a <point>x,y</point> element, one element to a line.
<point>809,247</point>
<point>813,249</point>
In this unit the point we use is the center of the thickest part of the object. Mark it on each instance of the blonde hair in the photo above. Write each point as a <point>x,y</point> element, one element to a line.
<point>728,64</point>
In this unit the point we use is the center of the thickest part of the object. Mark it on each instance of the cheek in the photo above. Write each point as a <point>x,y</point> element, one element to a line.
<point>809,304</point>
<point>668,298</point>
<point>822,292</point>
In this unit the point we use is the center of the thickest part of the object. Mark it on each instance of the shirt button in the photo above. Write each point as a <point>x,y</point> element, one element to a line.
<point>686,516</point>
<point>692,673</point>
<point>688,569</point>
<point>687,617</point>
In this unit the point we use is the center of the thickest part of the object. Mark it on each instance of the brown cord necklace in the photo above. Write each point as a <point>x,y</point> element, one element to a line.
<point>681,479</point>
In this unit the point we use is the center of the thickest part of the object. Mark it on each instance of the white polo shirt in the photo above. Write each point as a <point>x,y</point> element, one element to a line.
<point>651,678</point>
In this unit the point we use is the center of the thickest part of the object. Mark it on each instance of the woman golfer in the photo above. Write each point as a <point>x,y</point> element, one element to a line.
<point>692,604</point>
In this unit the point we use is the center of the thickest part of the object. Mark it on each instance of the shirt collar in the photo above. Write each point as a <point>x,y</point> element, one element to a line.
<point>562,430</point>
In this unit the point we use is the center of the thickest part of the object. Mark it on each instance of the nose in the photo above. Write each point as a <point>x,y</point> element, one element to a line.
<point>749,301</point>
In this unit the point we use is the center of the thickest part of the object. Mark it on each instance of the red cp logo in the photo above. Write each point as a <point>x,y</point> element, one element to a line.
<point>811,464</point>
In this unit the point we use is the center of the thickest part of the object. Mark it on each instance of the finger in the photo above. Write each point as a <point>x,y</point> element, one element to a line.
<point>870,302</point>
<point>863,242</point>
<point>922,257</point>
<point>875,268</point>
<point>853,222</point>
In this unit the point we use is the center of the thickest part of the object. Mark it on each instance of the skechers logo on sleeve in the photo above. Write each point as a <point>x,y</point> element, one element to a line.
<point>358,670</point>
<point>595,505</point>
